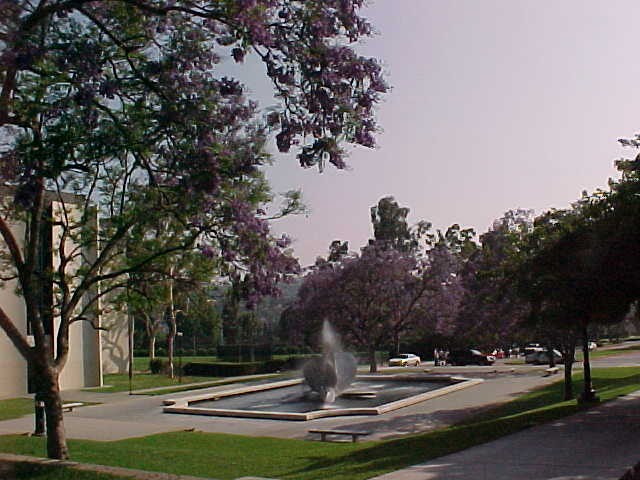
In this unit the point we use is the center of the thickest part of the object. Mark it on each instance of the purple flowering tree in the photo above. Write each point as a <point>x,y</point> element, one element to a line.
<point>119,109</point>
<point>370,299</point>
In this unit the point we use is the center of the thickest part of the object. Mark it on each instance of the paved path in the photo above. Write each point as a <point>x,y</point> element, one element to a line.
<point>124,416</point>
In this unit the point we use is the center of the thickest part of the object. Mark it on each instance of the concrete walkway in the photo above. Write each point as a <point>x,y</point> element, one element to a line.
<point>598,444</point>
<point>123,416</point>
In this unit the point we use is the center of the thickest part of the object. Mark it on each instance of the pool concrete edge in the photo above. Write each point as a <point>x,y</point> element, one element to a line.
<point>181,406</point>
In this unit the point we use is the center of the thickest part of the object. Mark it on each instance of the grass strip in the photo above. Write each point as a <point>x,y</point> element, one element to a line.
<point>15,408</point>
<point>608,352</point>
<point>231,456</point>
<point>119,382</point>
<point>19,407</point>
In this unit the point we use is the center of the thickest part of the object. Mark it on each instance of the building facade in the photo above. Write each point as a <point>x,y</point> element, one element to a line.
<point>92,351</point>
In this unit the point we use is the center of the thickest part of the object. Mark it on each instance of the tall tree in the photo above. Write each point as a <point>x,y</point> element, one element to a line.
<point>489,313</point>
<point>390,227</point>
<point>121,102</point>
<point>581,266</point>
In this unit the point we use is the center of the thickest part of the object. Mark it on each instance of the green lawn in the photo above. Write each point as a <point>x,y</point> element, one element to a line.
<point>608,353</point>
<point>230,456</point>
<point>19,407</point>
<point>120,382</point>
<point>15,408</point>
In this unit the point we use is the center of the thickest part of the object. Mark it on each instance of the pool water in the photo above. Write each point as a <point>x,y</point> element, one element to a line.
<point>297,399</point>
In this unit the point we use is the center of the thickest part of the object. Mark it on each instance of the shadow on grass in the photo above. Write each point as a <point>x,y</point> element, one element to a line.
<point>540,406</point>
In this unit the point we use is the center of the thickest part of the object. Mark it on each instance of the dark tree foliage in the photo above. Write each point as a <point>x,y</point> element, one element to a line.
<point>390,227</point>
<point>337,250</point>
<point>581,265</point>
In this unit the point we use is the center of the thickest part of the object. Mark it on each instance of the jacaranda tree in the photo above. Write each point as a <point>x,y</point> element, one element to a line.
<point>120,108</point>
<point>369,299</point>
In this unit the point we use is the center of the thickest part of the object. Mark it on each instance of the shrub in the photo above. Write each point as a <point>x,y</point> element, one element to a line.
<point>156,365</point>
<point>244,352</point>
<point>221,369</point>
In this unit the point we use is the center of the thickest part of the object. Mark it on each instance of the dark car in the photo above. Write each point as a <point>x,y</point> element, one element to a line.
<point>469,357</point>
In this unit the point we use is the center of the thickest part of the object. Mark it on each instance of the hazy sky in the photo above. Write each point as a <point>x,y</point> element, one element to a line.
<point>495,105</point>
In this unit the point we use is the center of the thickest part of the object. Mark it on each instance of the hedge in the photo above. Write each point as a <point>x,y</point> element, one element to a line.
<point>246,353</point>
<point>228,369</point>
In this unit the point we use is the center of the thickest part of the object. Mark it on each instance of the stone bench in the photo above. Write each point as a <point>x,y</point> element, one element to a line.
<point>551,371</point>
<point>68,407</point>
<point>324,433</point>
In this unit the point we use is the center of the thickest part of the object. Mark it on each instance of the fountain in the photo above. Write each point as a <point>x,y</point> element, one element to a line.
<point>332,389</point>
<point>331,374</point>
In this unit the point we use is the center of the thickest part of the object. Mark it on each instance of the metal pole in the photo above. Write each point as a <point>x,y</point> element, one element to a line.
<point>40,416</point>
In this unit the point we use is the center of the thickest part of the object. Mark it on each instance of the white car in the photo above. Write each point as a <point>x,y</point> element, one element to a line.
<point>542,357</point>
<point>405,360</point>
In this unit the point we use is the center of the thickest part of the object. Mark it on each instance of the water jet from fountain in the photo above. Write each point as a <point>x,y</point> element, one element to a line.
<point>331,374</point>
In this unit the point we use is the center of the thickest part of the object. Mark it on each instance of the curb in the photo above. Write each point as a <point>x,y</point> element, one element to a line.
<point>120,471</point>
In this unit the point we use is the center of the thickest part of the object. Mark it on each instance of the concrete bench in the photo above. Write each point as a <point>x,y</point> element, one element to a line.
<point>324,433</point>
<point>68,407</point>
<point>551,371</point>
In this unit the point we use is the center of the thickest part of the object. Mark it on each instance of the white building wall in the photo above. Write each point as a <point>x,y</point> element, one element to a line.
<point>13,367</point>
<point>83,363</point>
<point>83,368</point>
<point>115,341</point>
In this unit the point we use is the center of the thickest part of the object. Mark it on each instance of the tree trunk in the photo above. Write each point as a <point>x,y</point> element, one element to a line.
<point>552,360</point>
<point>568,355</point>
<point>373,365</point>
<point>588,393</point>
<point>173,327</point>
<point>152,347</point>
<point>170,344</point>
<point>47,383</point>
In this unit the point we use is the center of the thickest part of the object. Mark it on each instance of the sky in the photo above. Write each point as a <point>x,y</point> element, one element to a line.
<point>495,105</point>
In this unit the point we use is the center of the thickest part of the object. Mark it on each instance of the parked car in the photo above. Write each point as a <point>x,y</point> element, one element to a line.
<point>470,357</point>
<point>542,357</point>
<point>532,348</point>
<point>592,345</point>
<point>405,360</point>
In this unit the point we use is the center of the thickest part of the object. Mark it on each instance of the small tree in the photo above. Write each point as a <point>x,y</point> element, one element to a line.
<point>121,103</point>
